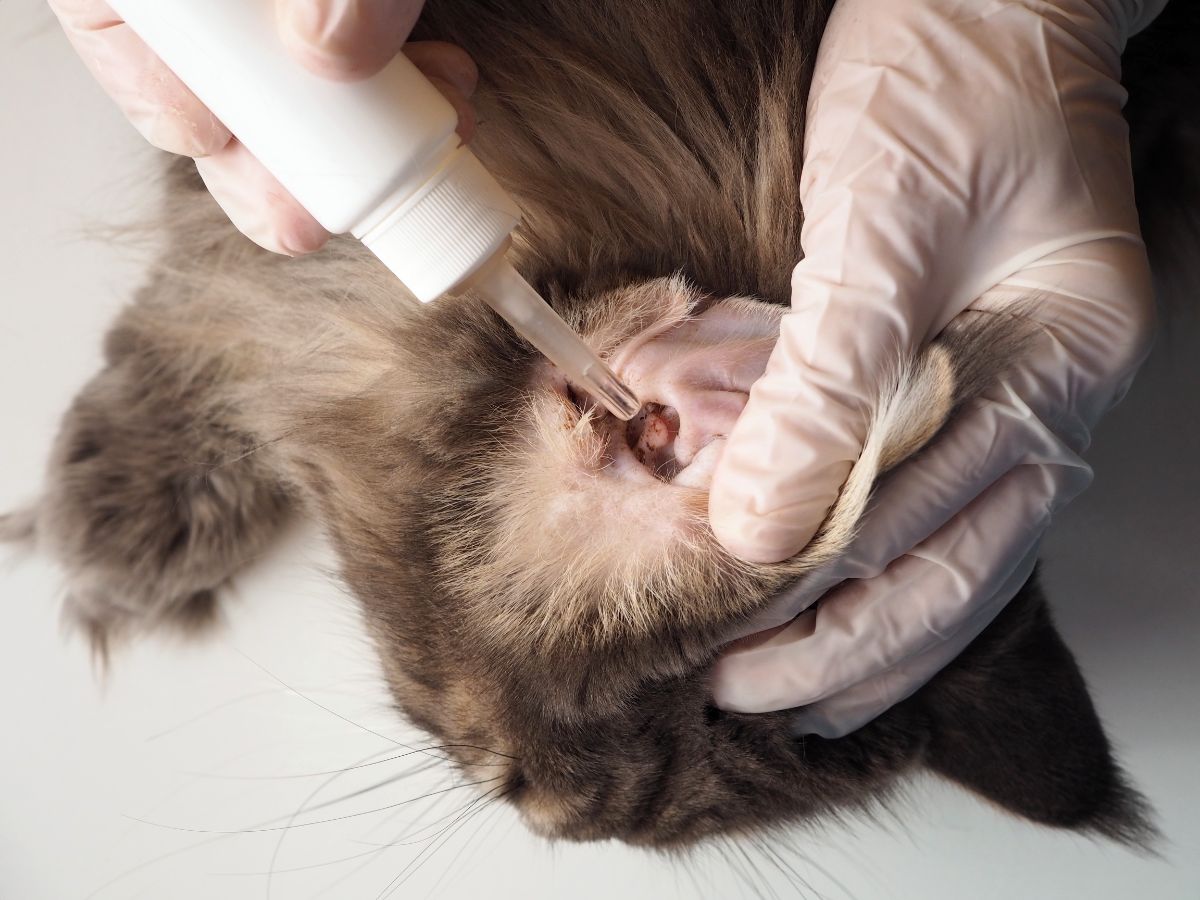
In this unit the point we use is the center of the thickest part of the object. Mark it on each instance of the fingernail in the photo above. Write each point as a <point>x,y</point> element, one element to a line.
<point>258,205</point>
<point>311,21</point>
<point>311,31</point>
<point>299,236</point>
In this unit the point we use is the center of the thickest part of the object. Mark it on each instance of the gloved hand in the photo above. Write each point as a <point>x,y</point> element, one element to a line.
<point>336,38</point>
<point>958,156</point>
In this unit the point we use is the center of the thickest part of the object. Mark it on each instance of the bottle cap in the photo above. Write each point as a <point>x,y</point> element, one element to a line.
<point>440,236</point>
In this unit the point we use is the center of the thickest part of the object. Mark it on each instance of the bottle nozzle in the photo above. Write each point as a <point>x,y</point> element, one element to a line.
<point>531,317</point>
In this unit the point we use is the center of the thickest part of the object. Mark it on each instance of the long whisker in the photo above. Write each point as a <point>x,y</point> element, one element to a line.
<point>305,868</point>
<point>494,817</point>
<point>374,851</point>
<point>416,823</point>
<point>754,871</point>
<point>409,838</point>
<point>366,862</point>
<point>378,762</point>
<point>807,860</point>
<point>307,800</point>
<point>450,831</point>
<point>736,865</point>
<point>688,858</point>
<point>414,865</point>
<point>366,812</point>
<point>121,876</point>
<point>211,711</point>
<point>452,865</point>
<point>795,880</point>
<point>339,880</point>
<point>730,864</point>
<point>359,725</point>
<point>325,804</point>
<point>319,705</point>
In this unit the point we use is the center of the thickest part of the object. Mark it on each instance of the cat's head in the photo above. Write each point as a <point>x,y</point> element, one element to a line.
<point>548,598</point>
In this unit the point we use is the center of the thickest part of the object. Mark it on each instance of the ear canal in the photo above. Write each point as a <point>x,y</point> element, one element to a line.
<point>1012,721</point>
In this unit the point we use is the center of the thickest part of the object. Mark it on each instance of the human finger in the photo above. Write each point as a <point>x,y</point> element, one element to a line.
<point>866,626</point>
<point>156,102</point>
<point>258,204</point>
<point>850,709</point>
<point>347,40</point>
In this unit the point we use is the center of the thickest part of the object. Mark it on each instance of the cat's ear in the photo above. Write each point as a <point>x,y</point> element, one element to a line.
<point>969,356</point>
<point>1013,722</point>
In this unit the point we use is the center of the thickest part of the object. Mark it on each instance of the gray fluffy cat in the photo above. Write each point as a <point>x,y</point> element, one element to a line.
<point>654,147</point>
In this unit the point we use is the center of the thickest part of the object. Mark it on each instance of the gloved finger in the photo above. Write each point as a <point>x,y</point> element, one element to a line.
<point>866,626</point>
<point>465,128</point>
<point>859,310</point>
<point>987,439</point>
<point>791,449</point>
<point>447,62</point>
<point>883,198</point>
<point>346,39</point>
<point>1095,303</point>
<point>903,228</point>
<point>154,100</point>
<point>788,455</point>
<point>1090,315</point>
<point>850,709</point>
<point>451,70</point>
<point>260,207</point>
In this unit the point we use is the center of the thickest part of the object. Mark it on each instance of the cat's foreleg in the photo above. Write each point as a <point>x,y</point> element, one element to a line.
<point>153,501</point>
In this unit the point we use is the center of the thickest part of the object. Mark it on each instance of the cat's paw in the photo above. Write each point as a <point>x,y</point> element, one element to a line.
<point>107,614</point>
<point>151,505</point>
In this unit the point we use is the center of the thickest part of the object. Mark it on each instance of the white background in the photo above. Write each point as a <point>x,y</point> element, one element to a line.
<point>215,736</point>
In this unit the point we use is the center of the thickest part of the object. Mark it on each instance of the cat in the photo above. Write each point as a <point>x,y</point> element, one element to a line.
<point>539,579</point>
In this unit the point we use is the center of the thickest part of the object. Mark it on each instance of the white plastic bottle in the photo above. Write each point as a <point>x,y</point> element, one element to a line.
<point>377,158</point>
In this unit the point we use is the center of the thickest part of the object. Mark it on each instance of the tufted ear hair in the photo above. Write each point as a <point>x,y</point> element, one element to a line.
<point>1013,722</point>
<point>970,355</point>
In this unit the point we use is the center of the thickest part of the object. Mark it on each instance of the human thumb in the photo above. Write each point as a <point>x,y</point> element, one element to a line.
<point>803,427</point>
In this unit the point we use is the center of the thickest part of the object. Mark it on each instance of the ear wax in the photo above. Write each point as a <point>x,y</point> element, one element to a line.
<point>651,435</point>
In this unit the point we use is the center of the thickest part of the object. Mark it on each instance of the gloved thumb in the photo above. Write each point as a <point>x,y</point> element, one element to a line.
<point>346,39</point>
<point>806,419</point>
<point>801,430</point>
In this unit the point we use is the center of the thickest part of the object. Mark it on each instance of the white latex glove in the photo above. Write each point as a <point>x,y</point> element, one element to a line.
<point>342,39</point>
<point>958,155</point>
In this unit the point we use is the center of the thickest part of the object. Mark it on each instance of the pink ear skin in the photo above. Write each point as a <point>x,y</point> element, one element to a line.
<point>694,380</point>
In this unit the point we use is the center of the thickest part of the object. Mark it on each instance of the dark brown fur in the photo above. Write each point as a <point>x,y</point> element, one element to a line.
<point>643,139</point>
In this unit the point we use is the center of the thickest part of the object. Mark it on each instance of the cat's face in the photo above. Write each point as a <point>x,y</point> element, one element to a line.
<point>545,589</point>
<point>548,598</point>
